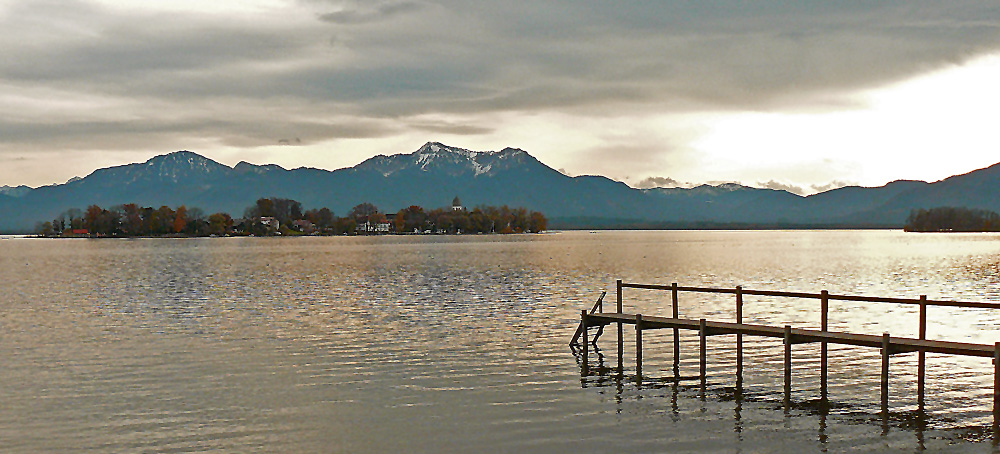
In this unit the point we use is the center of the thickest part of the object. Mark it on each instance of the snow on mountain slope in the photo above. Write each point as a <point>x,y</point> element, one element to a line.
<point>452,160</point>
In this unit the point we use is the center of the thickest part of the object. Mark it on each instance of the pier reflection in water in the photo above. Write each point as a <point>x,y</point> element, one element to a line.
<point>673,391</point>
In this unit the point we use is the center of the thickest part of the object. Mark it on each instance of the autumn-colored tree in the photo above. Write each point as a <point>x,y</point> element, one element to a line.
<point>162,220</point>
<point>537,222</point>
<point>265,208</point>
<point>362,211</point>
<point>220,224</point>
<point>399,221</point>
<point>45,228</point>
<point>322,218</point>
<point>91,217</point>
<point>180,219</point>
<point>367,215</point>
<point>414,219</point>
<point>131,219</point>
<point>344,225</point>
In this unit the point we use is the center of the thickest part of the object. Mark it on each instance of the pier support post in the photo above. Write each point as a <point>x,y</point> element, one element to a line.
<point>586,343</point>
<point>677,333</point>
<point>638,347</point>
<point>739,339</point>
<point>996,386</point>
<point>885,375</point>
<point>823,348</point>
<point>621,340</point>
<point>702,353</point>
<point>788,366</point>
<point>921,355</point>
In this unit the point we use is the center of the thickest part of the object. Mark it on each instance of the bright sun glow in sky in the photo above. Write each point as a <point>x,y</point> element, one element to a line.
<point>930,127</point>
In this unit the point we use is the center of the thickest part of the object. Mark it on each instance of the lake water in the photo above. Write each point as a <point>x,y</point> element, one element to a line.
<point>459,344</point>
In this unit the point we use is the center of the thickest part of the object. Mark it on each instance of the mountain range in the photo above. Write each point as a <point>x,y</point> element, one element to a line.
<point>433,175</point>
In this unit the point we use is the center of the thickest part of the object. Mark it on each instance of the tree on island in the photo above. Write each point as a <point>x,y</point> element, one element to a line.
<point>278,216</point>
<point>322,218</point>
<point>411,219</point>
<point>367,217</point>
<point>220,224</point>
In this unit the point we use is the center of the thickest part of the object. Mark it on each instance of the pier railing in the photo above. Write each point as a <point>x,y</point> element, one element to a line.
<point>888,344</point>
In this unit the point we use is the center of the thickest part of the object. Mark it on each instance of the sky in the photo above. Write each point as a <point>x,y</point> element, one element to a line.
<point>803,96</point>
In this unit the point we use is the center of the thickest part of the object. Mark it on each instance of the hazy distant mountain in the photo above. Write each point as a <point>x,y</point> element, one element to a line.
<point>977,189</point>
<point>433,175</point>
<point>14,191</point>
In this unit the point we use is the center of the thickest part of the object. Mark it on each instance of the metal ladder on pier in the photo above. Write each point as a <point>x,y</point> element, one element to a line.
<point>597,309</point>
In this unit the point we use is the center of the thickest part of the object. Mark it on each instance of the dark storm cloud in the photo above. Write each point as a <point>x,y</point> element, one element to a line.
<point>725,53</point>
<point>473,56</point>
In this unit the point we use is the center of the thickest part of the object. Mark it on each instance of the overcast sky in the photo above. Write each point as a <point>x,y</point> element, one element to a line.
<point>799,95</point>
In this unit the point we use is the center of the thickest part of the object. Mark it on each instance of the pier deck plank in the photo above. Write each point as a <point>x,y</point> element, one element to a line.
<point>799,335</point>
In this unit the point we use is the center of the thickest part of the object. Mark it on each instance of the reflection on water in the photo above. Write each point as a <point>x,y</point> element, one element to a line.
<point>457,344</point>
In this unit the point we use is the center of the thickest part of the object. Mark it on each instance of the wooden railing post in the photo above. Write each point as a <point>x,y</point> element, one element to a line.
<point>921,355</point>
<point>638,346</point>
<point>739,338</point>
<point>702,353</point>
<point>621,338</point>
<point>788,366</point>
<point>886,343</point>
<point>823,349</point>
<point>586,343</point>
<point>996,384</point>
<point>677,333</point>
<point>619,298</point>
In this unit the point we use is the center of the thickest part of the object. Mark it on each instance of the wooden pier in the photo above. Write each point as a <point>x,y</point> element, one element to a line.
<point>888,344</point>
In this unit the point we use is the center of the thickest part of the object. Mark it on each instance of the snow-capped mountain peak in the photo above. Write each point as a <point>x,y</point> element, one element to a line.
<point>173,167</point>
<point>182,164</point>
<point>437,157</point>
<point>243,167</point>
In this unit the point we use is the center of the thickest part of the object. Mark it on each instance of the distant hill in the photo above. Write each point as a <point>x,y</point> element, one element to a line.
<point>433,175</point>
<point>14,191</point>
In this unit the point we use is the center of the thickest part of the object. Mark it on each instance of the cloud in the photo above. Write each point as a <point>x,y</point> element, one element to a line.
<point>803,190</point>
<point>782,187</point>
<point>411,58</point>
<point>817,188</point>
<point>659,182</point>
<point>448,127</point>
<point>366,12</point>
<point>106,75</point>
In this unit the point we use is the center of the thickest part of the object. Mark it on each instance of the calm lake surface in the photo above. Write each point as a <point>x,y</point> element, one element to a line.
<point>459,344</point>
